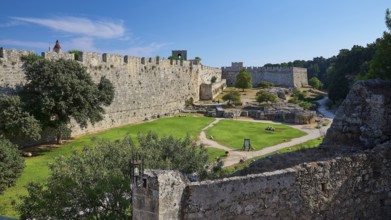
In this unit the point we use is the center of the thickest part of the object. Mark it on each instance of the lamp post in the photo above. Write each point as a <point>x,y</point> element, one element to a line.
<point>136,169</point>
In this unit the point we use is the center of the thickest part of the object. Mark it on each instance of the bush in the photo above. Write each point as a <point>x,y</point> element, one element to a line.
<point>189,102</point>
<point>299,95</point>
<point>265,84</point>
<point>264,96</point>
<point>233,96</point>
<point>315,83</point>
<point>213,80</point>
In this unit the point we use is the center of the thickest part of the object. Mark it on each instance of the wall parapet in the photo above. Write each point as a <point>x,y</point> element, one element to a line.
<point>311,190</point>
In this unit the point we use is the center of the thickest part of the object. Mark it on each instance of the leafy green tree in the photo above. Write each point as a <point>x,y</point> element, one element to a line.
<point>244,80</point>
<point>232,96</point>
<point>265,84</point>
<point>315,83</point>
<point>265,96</point>
<point>213,79</point>
<point>95,183</point>
<point>11,164</point>
<point>172,153</point>
<point>91,184</point>
<point>380,66</point>
<point>15,122</point>
<point>58,91</point>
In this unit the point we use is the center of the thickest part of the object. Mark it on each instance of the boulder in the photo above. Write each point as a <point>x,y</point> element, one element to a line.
<point>364,117</point>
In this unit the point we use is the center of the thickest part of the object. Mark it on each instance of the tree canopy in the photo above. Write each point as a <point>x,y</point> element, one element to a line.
<point>244,80</point>
<point>95,183</point>
<point>11,164</point>
<point>315,83</point>
<point>380,66</point>
<point>15,122</point>
<point>57,91</point>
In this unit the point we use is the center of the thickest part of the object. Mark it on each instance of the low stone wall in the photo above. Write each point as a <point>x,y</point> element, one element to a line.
<point>210,91</point>
<point>352,187</point>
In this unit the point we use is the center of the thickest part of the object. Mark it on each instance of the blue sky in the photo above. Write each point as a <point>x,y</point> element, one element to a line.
<point>255,32</point>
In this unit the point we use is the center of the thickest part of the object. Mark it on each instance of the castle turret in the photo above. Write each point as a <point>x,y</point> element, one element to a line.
<point>57,47</point>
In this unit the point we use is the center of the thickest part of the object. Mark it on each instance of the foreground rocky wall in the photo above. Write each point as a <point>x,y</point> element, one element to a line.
<point>364,117</point>
<point>349,187</point>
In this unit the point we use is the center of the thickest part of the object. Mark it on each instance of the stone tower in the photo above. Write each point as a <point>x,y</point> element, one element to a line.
<point>179,54</point>
<point>57,47</point>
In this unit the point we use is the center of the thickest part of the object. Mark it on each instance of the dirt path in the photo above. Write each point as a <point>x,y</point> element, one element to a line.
<point>234,155</point>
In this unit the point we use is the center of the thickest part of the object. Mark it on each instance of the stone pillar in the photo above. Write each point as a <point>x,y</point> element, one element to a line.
<point>159,195</point>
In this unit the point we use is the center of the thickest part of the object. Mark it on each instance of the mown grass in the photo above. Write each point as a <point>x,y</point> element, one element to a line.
<point>37,167</point>
<point>308,144</point>
<point>214,153</point>
<point>231,133</point>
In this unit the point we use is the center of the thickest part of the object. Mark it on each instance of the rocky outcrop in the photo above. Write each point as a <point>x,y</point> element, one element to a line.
<point>364,118</point>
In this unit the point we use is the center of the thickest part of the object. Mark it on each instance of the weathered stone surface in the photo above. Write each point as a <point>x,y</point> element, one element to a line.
<point>314,190</point>
<point>321,183</point>
<point>364,118</point>
<point>159,195</point>
<point>144,87</point>
<point>280,76</point>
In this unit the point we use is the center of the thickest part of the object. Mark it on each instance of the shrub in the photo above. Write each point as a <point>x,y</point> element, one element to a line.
<point>265,84</point>
<point>265,96</point>
<point>213,79</point>
<point>189,102</point>
<point>233,96</point>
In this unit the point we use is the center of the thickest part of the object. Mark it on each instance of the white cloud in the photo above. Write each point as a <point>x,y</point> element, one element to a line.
<point>27,44</point>
<point>11,24</point>
<point>85,44</point>
<point>82,26</point>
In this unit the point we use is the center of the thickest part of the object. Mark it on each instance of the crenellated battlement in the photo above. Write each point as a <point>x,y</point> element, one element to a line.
<point>280,76</point>
<point>13,55</point>
<point>95,59</point>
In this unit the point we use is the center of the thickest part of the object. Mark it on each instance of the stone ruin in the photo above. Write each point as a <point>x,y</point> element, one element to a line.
<point>347,177</point>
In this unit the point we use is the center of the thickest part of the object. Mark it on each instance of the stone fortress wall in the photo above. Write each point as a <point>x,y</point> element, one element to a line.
<point>281,76</point>
<point>144,87</point>
<point>355,184</point>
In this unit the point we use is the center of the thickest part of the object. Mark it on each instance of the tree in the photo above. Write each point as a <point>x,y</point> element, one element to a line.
<point>265,96</point>
<point>213,79</point>
<point>380,66</point>
<point>233,96</point>
<point>11,164</point>
<point>315,83</point>
<point>90,184</point>
<point>172,153</point>
<point>95,183</point>
<point>15,122</point>
<point>243,80</point>
<point>58,91</point>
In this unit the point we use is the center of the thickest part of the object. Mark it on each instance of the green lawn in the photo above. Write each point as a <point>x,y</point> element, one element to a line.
<point>214,153</point>
<point>37,167</point>
<point>231,133</point>
<point>308,144</point>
